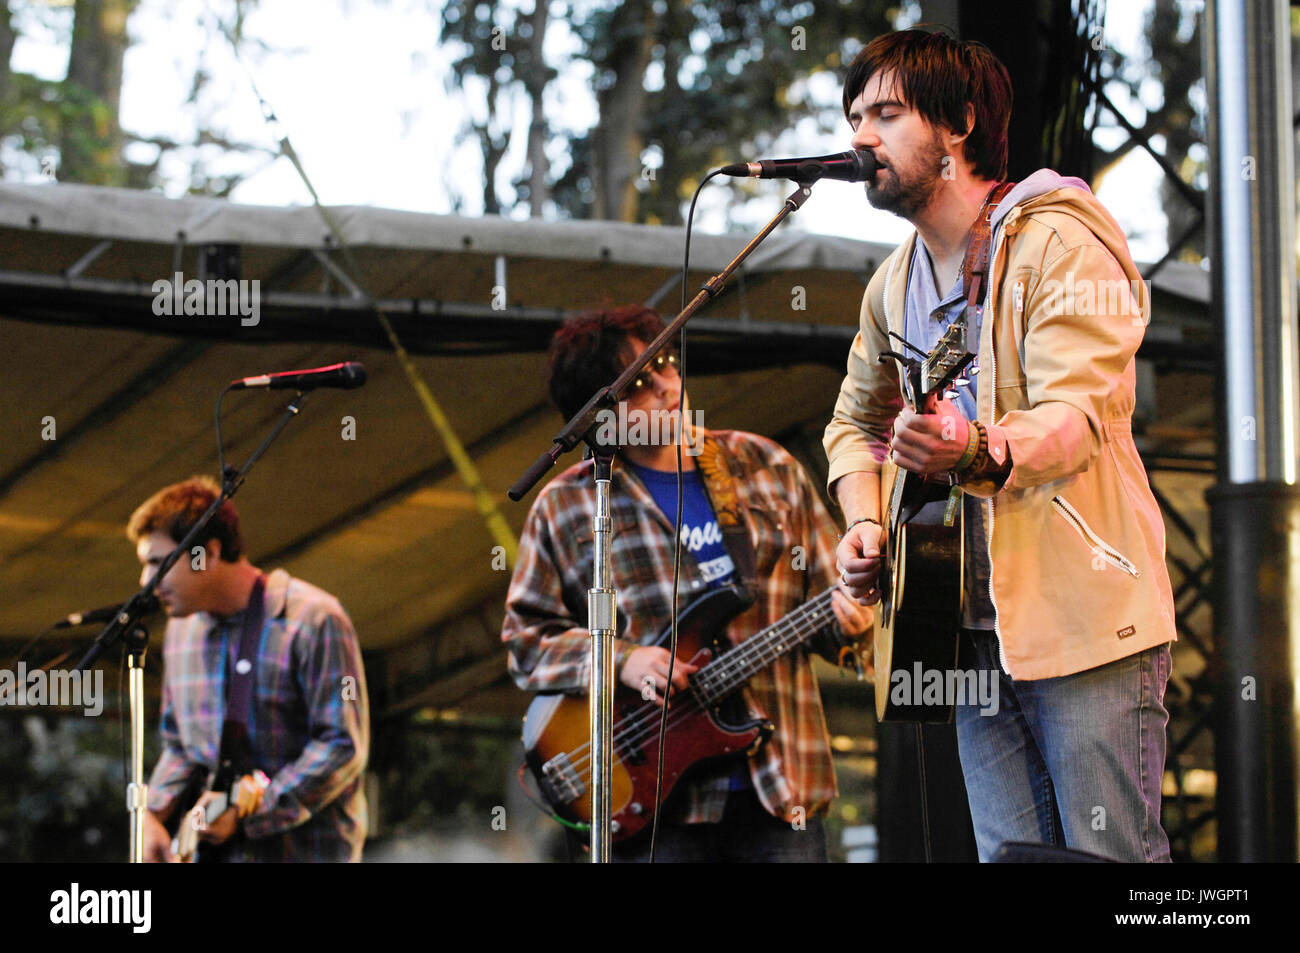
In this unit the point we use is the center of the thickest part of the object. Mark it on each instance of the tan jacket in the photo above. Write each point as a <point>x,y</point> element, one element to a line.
<point>1076,539</point>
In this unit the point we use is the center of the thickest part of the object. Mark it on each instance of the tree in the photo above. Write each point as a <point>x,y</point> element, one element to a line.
<point>695,84</point>
<point>1173,39</point>
<point>502,58</point>
<point>79,117</point>
<point>90,135</point>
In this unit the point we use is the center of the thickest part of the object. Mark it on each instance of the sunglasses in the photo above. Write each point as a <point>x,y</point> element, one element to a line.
<point>663,362</point>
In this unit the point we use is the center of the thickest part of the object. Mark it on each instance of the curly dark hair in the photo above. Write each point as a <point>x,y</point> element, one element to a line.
<point>175,509</point>
<point>591,349</point>
<point>939,76</point>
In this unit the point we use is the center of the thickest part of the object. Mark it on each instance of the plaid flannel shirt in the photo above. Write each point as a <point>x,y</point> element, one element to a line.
<point>546,607</point>
<point>309,727</point>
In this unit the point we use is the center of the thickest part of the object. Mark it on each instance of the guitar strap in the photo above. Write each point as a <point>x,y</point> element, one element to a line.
<point>235,749</point>
<point>975,264</point>
<point>718,470</point>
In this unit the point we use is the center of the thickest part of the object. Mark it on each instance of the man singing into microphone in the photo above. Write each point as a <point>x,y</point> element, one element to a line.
<point>1067,596</point>
<point>271,652</point>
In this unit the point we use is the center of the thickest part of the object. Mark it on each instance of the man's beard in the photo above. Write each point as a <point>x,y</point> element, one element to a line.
<point>905,198</point>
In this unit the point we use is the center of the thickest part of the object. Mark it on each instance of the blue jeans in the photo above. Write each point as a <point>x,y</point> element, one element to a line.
<point>1074,761</point>
<point>747,834</point>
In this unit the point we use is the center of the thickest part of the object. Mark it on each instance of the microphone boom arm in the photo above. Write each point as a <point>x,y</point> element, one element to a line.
<point>137,606</point>
<point>575,430</point>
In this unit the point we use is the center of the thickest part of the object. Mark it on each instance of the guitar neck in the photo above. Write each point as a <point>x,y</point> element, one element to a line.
<point>734,668</point>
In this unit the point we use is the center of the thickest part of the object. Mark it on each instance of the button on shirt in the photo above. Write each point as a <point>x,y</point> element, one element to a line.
<point>928,318</point>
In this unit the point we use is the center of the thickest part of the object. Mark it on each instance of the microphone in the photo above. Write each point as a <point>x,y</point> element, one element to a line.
<point>347,375</point>
<point>103,614</point>
<point>853,166</point>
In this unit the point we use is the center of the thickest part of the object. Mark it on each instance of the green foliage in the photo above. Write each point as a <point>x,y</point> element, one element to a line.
<point>441,779</point>
<point>737,95</point>
<point>720,80</point>
<point>44,119</point>
<point>1177,121</point>
<point>62,788</point>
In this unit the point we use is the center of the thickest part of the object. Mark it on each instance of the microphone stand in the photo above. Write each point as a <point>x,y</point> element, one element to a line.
<point>127,628</point>
<point>602,598</point>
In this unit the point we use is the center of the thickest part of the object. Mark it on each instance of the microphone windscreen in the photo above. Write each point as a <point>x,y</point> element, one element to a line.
<point>354,374</point>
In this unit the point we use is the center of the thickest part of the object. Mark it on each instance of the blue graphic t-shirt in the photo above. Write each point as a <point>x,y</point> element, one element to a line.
<point>702,538</point>
<point>701,535</point>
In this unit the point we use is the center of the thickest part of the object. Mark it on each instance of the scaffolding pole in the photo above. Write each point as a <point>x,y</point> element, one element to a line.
<point>1255,507</point>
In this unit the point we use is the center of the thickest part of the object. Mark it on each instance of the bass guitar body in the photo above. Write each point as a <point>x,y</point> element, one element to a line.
<point>557,730</point>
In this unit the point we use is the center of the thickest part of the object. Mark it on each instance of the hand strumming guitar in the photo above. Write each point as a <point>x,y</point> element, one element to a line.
<point>858,557</point>
<point>248,796</point>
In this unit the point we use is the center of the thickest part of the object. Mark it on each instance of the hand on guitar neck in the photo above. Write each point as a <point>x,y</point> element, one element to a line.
<point>210,821</point>
<point>930,443</point>
<point>157,842</point>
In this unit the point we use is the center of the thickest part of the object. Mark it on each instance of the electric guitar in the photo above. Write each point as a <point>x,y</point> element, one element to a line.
<point>233,758</point>
<point>707,720</point>
<point>921,574</point>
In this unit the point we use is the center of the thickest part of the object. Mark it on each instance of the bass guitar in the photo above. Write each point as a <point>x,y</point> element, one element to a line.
<point>707,720</point>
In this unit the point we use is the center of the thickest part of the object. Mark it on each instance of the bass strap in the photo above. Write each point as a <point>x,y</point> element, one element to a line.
<point>720,485</point>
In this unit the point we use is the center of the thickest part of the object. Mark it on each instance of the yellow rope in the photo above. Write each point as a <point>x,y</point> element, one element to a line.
<point>483,501</point>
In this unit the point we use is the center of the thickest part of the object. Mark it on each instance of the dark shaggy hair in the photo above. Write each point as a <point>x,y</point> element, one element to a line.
<point>591,349</point>
<point>939,76</point>
<point>175,509</point>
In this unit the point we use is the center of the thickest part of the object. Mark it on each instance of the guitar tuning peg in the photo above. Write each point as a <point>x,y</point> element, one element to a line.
<point>950,394</point>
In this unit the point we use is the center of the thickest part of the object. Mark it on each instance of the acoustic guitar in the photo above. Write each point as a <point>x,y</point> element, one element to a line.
<point>708,720</point>
<point>921,573</point>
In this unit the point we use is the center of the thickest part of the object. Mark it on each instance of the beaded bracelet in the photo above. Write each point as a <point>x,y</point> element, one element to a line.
<point>981,459</point>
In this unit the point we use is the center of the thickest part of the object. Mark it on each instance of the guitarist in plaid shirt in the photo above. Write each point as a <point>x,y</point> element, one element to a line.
<point>731,809</point>
<point>309,720</point>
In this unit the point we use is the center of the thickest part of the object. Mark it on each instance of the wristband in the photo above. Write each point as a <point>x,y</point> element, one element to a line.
<point>860,519</point>
<point>972,446</point>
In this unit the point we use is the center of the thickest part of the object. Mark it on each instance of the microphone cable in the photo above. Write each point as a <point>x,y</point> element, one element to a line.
<point>677,524</point>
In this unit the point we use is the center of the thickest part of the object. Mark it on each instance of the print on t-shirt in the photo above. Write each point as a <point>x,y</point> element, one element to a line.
<point>701,535</point>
